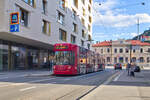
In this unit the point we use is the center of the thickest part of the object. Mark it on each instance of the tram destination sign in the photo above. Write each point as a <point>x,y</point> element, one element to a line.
<point>61,47</point>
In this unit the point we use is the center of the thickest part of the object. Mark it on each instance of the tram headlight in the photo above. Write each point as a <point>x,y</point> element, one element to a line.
<point>69,67</point>
<point>54,67</point>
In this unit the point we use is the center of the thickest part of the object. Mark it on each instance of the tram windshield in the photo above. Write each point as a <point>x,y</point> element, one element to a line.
<point>65,57</point>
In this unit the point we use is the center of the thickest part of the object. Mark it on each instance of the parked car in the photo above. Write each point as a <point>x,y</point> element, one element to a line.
<point>137,69</point>
<point>118,66</point>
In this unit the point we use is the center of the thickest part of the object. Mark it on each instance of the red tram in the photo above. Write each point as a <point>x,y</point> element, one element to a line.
<point>71,59</point>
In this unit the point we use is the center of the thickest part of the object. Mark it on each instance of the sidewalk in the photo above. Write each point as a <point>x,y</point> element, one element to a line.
<point>124,88</point>
<point>25,73</point>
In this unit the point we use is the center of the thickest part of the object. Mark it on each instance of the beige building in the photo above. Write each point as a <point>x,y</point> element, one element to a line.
<point>124,51</point>
<point>42,23</point>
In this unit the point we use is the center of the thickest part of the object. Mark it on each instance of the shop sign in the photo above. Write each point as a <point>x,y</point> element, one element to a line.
<point>14,22</point>
<point>14,18</point>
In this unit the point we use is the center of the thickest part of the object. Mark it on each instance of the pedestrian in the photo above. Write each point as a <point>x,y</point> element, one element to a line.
<point>128,68</point>
<point>132,70</point>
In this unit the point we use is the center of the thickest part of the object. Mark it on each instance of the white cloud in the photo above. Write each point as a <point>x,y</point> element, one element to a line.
<point>134,34</point>
<point>114,36</point>
<point>100,35</point>
<point>114,18</point>
<point>105,6</point>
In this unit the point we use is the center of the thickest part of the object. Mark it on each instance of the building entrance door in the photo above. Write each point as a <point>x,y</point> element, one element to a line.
<point>18,57</point>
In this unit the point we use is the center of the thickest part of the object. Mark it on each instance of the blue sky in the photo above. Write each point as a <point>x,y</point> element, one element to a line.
<point>117,19</point>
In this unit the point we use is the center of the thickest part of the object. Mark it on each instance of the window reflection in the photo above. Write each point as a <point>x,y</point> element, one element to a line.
<point>65,57</point>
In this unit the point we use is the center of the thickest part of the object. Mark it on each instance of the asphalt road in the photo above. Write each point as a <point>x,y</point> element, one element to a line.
<point>51,87</point>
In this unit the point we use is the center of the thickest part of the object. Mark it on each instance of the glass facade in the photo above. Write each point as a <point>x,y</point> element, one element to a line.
<point>3,56</point>
<point>18,57</point>
<point>15,56</point>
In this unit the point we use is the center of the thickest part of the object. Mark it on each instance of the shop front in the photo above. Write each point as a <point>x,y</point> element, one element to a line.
<point>14,56</point>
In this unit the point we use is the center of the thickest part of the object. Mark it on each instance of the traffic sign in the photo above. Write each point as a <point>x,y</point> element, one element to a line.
<point>14,28</point>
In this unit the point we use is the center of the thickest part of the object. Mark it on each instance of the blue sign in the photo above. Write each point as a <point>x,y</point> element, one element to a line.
<point>14,28</point>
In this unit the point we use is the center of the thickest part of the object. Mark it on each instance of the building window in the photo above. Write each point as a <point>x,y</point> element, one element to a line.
<point>73,39</point>
<point>46,27</point>
<point>101,50</point>
<point>83,22</point>
<point>83,11</point>
<point>82,43</point>
<point>120,59</point>
<point>89,8</point>
<point>90,19</point>
<point>108,50</point>
<point>88,45</point>
<point>23,17</point>
<point>108,59</point>
<point>89,28</point>
<point>148,59</point>
<point>127,50</point>
<point>30,2</point>
<point>83,1</point>
<point>62,4</point>
<point>90,1</point>
<point>75,3</point>
<point>115,60</point>
<point>121,50</point>
<point>89,38</point>
<point>133,59</point>
<point>62,35</point>
<point>83,33</point>
<point>141,50</point>
<point>134,50</point>
<point>44,6</point>
<point>60,18</point>
<point>141,59</point>
<point>74,13</point>
<point>126,59</point>
<point>75,28</point>
<point>148,50</point>
<point>115,50</point>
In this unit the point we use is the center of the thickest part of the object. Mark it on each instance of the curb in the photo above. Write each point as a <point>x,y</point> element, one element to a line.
<point>104,83</point>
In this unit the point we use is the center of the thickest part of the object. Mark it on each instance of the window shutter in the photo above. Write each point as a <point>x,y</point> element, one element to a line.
<point>49,32</point>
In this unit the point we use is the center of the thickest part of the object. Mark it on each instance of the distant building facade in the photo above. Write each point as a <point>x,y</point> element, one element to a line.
<point>28,42</point>
<point>124,51</point>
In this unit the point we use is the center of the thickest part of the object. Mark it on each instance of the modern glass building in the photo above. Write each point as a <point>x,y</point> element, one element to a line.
<point>26,40</point>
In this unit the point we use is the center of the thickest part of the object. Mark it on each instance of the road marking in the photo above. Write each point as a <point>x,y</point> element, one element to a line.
<point>110,79</point>
<point>17,84</point>
<point>116,79</point>
<point>13,77</point>
<point>29,88</point>
<point>4,86</point>
<point>67,79</point>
